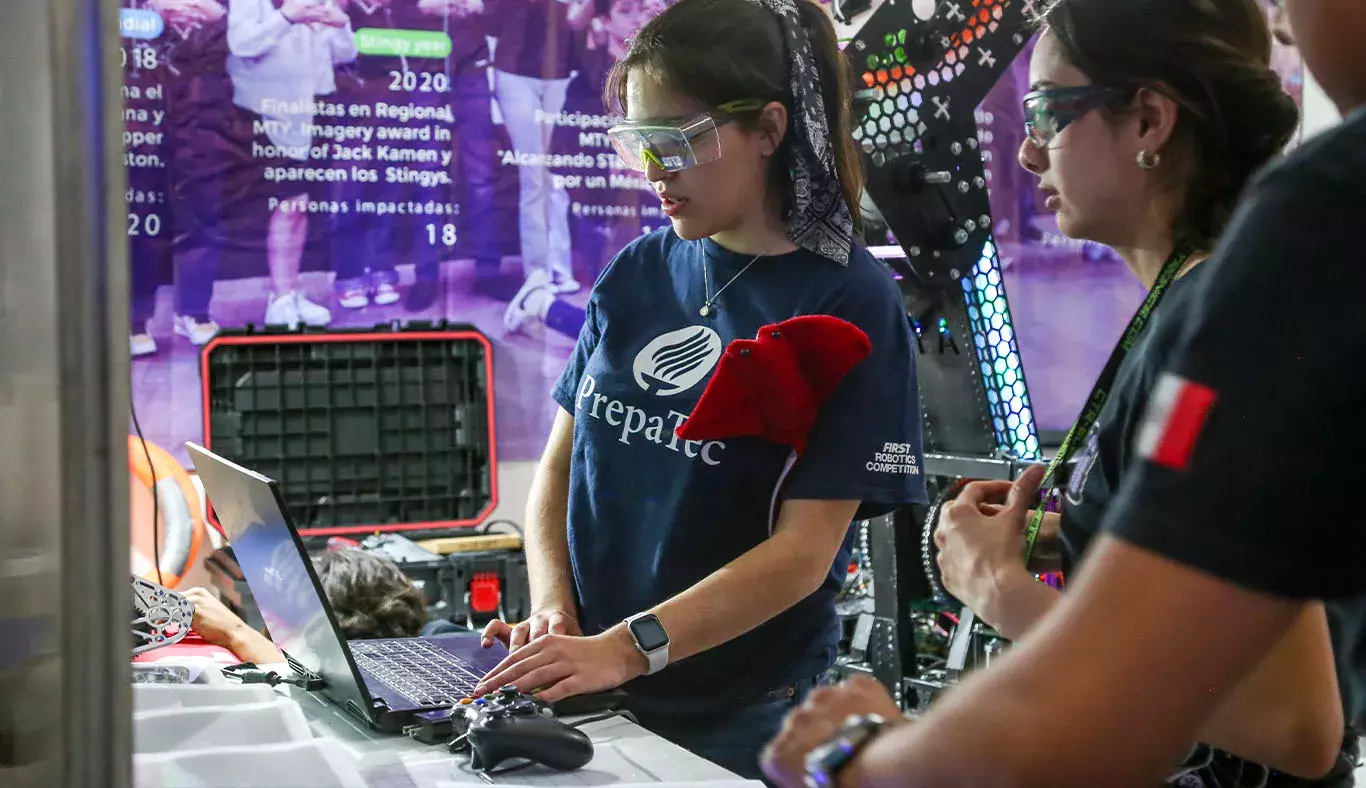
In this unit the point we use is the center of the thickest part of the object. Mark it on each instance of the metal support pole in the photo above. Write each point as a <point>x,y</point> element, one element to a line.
<point>64,593</point>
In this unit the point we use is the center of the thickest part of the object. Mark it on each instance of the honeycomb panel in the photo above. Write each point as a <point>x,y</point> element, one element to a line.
<point>999,357</point>
<point>893,127</point>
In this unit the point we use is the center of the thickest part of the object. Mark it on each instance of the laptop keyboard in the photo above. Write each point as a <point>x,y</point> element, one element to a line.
<point>417,670</point>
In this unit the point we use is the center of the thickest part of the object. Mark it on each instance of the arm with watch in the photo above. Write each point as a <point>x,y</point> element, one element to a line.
<point>763,582</point>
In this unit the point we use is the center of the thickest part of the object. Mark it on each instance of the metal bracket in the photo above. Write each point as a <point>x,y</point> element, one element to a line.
<point>161,617</point>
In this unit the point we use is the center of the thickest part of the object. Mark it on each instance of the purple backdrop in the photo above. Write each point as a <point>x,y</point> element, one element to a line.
<point>338,163</point>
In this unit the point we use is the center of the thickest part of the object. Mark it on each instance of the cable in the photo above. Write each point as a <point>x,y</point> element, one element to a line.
<point>249,673</point>
<point>484,528</point>
<point>607,716</point>
<point>156,499</point>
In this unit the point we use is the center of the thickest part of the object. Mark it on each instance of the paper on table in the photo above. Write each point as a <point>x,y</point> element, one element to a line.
<point>317,763</point>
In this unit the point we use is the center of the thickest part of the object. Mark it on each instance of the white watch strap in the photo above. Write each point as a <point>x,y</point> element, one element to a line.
<point>657,659</point>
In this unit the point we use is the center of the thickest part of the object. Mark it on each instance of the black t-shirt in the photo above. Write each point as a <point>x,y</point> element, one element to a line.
<point>1097,471</point>
<point>1261,488</point>
<point>1098,466</point>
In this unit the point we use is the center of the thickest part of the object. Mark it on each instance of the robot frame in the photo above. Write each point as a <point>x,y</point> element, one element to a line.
<point>920,80</point>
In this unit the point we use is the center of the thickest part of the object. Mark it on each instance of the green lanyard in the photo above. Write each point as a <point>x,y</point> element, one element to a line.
<point>1101,391</point>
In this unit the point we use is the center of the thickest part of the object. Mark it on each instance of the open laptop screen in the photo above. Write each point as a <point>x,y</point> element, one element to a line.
<point>279,574</point>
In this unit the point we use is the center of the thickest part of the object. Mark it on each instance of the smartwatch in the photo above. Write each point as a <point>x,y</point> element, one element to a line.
<point>824,763</point>
<point>651,640</point>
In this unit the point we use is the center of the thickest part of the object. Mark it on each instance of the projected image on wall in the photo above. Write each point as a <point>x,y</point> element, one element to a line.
<point>347,163</point>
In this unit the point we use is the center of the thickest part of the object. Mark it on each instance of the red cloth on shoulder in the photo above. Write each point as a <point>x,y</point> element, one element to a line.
<point>775,385</point>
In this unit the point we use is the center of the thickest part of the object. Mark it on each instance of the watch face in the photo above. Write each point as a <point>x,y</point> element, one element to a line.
<point>649,633</point>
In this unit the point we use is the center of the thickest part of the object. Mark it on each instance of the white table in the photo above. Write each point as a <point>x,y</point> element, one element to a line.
<point>625,754</point>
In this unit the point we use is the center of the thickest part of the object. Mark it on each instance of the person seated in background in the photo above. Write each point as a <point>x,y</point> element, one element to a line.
<point>369,594</point>
<point>372,598</point>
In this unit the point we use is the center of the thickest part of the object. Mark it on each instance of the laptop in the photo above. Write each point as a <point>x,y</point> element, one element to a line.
<point>383,682</point>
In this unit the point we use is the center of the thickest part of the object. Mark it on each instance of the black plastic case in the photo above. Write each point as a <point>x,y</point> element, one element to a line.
<point>376,431</point>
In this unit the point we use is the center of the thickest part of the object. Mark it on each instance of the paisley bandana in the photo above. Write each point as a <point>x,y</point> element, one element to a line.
<point>820,221</point>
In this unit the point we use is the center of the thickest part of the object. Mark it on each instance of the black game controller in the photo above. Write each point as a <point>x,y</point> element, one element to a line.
<point>509,725</point>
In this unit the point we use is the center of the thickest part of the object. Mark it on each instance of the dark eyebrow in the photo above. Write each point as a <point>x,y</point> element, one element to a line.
<point>1042,84</point>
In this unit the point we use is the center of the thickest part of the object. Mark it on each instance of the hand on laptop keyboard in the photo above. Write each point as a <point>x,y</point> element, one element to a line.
<point>565,665</point>
<point>540,624</point>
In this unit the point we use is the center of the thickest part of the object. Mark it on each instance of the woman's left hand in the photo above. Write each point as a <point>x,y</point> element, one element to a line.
<point>559,666</point>
<point>979,543</point>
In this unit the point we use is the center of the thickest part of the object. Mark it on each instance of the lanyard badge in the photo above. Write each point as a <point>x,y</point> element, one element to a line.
<point>1100,392</point>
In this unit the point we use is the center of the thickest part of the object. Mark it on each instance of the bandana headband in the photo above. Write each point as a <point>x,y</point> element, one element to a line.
<point>820,221</point>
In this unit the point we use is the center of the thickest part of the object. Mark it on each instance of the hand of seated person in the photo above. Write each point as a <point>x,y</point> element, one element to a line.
<point>551,621</point>
<point>981,542</point>
<point>818,719</point>
<point>556,666</point>
<point>220,627</point>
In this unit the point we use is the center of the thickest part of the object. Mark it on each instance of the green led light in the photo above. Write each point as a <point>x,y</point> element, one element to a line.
<point>989,320</point>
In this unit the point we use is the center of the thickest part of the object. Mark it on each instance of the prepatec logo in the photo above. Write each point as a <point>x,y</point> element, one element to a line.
<point>675,362</point>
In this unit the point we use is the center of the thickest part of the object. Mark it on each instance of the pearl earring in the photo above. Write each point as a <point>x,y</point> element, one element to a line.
<point>1148,160</point>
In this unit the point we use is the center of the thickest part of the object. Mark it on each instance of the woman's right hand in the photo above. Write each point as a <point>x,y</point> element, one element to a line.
<point>551,621</point>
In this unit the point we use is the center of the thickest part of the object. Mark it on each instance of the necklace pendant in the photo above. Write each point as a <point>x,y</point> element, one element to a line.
<point>705,311</point>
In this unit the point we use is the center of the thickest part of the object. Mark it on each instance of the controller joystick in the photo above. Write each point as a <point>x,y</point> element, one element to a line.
<point>511,725</point>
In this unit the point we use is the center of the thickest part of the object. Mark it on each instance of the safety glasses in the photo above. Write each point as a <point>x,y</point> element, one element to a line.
<point>1047,112</point>
<point>675,145</point>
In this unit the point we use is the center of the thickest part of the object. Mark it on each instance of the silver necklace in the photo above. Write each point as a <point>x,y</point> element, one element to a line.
<point>710,305</point>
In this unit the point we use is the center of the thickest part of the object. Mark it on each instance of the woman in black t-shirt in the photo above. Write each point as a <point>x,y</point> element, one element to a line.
<point>1145,121</point>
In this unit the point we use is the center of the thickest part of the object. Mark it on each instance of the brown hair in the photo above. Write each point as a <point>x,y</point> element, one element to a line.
<point>718,51</point>
<point>1212,58</point>
<point>370,595</point>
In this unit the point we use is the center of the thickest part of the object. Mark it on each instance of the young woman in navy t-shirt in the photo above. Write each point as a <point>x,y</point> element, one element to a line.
<point>738,113</point>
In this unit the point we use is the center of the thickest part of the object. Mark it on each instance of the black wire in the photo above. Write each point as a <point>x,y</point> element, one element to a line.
<point>156,500</point>
<point>483,529</point>
<point>607,716</point>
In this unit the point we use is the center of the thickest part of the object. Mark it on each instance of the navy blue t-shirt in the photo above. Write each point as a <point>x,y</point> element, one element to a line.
<point>650,514</point>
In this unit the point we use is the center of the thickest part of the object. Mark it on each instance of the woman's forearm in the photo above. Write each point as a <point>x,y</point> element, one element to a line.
<point>249,645</point>
<point>1287,713</point>
<point>1017,603</point>
<point>547,539</point>
<point>768,579</point>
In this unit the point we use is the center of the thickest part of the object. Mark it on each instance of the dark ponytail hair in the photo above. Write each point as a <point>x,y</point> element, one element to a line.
<point>717,51</point>
<point>1212,58</point>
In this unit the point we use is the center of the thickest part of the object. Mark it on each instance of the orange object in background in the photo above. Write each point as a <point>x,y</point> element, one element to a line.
<point>181,522</point>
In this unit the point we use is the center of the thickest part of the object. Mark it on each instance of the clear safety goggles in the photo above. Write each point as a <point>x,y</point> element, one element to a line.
<point>1047,112</point>
<point>672,146</point>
